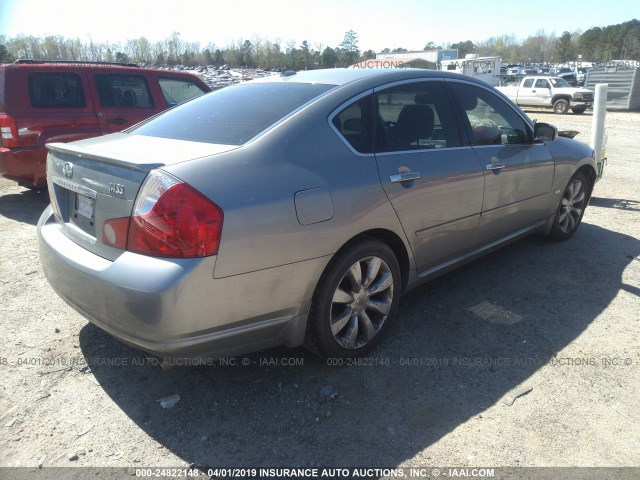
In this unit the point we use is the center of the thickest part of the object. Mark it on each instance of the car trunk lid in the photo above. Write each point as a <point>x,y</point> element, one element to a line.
<point>96,180</point>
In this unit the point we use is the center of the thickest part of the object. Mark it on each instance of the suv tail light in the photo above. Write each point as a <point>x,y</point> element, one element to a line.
<point>8,131</point>
<point>169,219</point>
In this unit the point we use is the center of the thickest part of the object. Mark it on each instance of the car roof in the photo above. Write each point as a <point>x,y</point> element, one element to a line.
<point>45,65</point>
<point>343,76</point>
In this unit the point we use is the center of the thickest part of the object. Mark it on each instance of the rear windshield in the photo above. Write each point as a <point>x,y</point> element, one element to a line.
<point>232,115</point>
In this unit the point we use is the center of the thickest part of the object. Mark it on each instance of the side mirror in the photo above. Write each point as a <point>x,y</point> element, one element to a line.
<point>545,132</point>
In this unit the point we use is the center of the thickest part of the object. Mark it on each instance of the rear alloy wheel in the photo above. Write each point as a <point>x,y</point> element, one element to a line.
<point>560,107</point>
<point>356,298</point>
<point>571,208</point>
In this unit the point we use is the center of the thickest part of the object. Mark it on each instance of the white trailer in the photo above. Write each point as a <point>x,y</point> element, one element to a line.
<point>486,69</point>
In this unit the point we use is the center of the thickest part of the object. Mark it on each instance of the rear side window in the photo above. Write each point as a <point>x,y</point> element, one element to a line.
<point>123,91</point>
<point>415,117</point>
<point>355,125</point>
<point>177,91</point>
<point>232,115</point>
<point>528,83</point>
<point>56,90</point>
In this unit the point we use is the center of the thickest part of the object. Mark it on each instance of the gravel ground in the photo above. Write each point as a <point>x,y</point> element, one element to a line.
<point>559,319</point>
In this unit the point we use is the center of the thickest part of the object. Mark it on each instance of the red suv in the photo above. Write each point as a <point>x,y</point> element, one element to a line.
<point>47,101</point>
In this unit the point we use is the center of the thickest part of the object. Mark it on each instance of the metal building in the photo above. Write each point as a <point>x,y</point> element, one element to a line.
<point>624,84</point>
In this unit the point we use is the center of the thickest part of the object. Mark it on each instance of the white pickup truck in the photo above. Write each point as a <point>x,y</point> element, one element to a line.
<point>544,91</point>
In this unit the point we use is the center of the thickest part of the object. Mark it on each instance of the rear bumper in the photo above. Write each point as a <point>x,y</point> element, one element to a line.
<point>24,165</point>
<point>174,307</point>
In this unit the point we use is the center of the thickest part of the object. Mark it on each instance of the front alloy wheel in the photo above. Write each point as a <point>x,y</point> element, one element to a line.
<point>571,207</point>
<point>354,301</point>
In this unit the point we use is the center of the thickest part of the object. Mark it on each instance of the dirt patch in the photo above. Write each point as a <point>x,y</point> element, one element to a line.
<point>559,318</point>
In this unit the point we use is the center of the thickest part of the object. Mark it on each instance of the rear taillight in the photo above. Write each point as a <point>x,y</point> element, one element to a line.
<point>169,219</point>
<point>8,131</point>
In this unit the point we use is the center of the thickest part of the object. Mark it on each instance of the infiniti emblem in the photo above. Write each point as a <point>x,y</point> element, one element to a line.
<point>67,169</point>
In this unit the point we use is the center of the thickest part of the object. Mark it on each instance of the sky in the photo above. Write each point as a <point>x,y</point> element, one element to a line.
<point>409,24</point>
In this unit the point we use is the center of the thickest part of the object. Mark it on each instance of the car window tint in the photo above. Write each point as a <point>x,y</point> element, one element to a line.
<point>231,115</point>
<point>123,91</point>
<point>542,83</point>
<point>528,83</point>
<point>177,91</point>
<point>56,90</point>
<point>492,120</point>
<point>354,124</point>
<point>415,117</point>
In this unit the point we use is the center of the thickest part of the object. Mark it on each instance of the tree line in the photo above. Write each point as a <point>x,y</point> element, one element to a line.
<point>597,44</point>
<point>614,42</point>
<point>257,52</point>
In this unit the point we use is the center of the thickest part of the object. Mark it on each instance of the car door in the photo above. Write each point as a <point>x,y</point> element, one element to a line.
<point>526,95</point>
<point>434,183</point>
<point>122,100</point>
<point>60,109</point>
<point>542,92</point>
<point>518,171</point>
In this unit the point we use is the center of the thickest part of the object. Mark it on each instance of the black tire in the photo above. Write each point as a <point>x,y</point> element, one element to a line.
<point>578,110</point>
<point>561,106</point>
<point>571,208</point>
<point>329,306</point>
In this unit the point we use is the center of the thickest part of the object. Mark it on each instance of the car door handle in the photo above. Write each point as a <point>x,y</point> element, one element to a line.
<point>116,121</point>
<point>494,166</point>
<point>533,91</point>
<point>404,177</point>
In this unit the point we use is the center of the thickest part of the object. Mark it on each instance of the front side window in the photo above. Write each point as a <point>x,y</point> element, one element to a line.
<point>177,90</point>
<point>123,91</point>
<point>56,90</point>
<point>415,117</point>
<point>542,83</point>
<point>492,121</point>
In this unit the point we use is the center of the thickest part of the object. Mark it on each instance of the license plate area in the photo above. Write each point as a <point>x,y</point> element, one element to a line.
<point>77,206</point>
<point>82,210</point>
<point>84,205</point>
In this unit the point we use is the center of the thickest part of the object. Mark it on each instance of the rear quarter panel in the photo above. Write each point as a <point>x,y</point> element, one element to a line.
<point>255,186</point>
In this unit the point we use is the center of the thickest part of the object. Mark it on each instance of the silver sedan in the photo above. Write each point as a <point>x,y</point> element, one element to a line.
<point>295,210</point>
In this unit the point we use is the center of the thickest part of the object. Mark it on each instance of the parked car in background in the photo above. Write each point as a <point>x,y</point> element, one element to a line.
<point>296,209</point>
<point>552,92</point>
<point>46,101</point>
<point>581,74</point>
